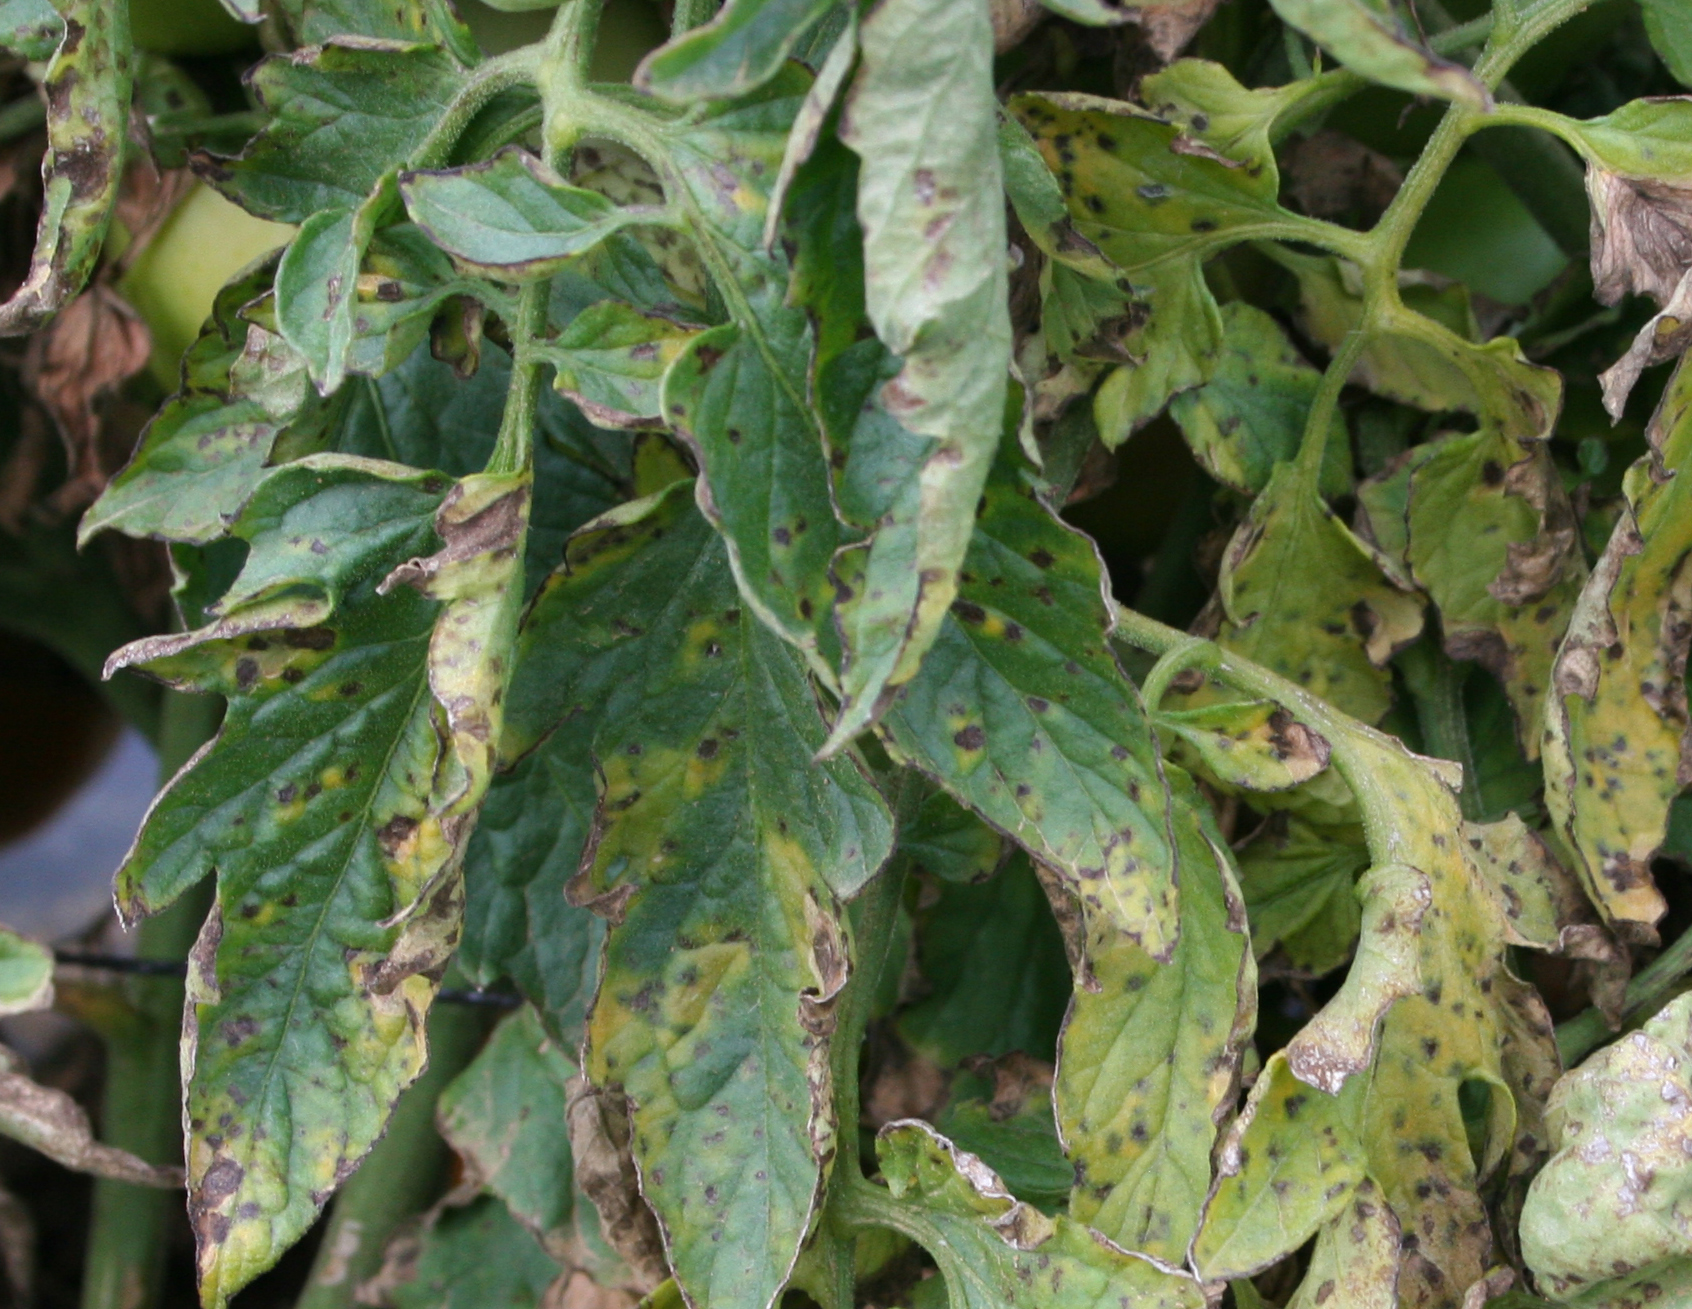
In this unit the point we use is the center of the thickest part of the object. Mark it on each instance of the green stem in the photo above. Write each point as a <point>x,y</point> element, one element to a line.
<point>124,1266</point>
<point>1436,684</point>
<point>517,68</point>
<point>514,449</point>
<point>690,14</point>
<point>401,1177</point>
<point>1653,987</point>
<point>1313,447</point>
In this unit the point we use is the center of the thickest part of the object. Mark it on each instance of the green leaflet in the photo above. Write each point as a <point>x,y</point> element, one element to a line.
<point>945,839</point>
<point>26,974</point>
<point>922,116</point>
<point>31,28</point>
<point>511,217</point>
<point>1356,1257</point>
<point>996,969</point>
<point>1612,1200</point>
<point>1251,745</point>
<point>1369,37</point>
<point>1670,29</point>
<point>1614,742</point>
<point>712,828</point>
<point>736,52</point>
<point>213,435</point>
<point>996,1253</point>
<point>1002,1114</point>
<point>1331,625</point>
<point>611,360</point>
<point>87,85</point>
<point>334,807</point>
<point>1506,593</point>
<point>1149,1060</point>
<point>315,21</point>
<point>739,394</point>
<point>504,1114</point>
<point>1250,414</point>
<point>475,1257</point>
<point>341,118</point>
<point>1206,101</point>
<point>1021,712</point>
<point>1297,878</point>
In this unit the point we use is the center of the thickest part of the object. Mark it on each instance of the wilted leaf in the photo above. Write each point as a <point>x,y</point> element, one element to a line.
<point>1616,735</point>
<point>922,115</point>
<point>1021,712</point>
<point>1369,37</point>
<point>996,1253</point>
<point>87,85</point>
<point>712,823</point>
<point>1149,1060</point>
<point>50,1121</point>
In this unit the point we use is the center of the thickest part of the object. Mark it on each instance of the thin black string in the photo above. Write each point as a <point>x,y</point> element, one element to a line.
<point>112,963</point>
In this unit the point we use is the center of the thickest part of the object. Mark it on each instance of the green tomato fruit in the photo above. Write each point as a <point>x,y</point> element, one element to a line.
<point>172,284</point>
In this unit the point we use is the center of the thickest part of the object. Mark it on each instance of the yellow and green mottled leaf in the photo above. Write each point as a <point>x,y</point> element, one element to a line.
<point>1615,738</point>
<point>1302,595</point>
<point>1250,745</point>
<point>1149,1061</point>
<point>1021,712</point>
<point>611,359</point>
<point>720,853</point>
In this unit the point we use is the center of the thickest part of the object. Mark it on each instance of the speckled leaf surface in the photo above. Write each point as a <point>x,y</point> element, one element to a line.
<point>1021,712</point>
<point>995,1252</point>
<point>1250,745</point>
<point>1615,740</point>
<point>504,1115</point>
<point>1613,1199</point>
<point>87,86</point>
<point>1250,415</point>
<point>611,359</point>
<point>1331,627</point>
<point>922,116</point>
<point>1505,595</point>
<point>333,807</point>
<point>1355,1262</point>
<point>731,840</point>
<point>1149,1059</point>
<point>739,394</point>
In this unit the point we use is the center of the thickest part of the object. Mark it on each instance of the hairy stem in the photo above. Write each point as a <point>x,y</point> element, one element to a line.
<point>515,448</point>
<point>501,73</point>
<point>690,14</point>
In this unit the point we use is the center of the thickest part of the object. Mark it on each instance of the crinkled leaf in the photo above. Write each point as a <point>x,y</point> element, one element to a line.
<point>1370,37</point>
<point>1493,538</point>
<point>1149,1060</point>
<point>922,115</point>
<point>504,1114</point>
<point>996,1253</point>
<point>47,1119</point>
<point>1021,712</point>
<point>87,85</point>
<point>736,52</point>
<point>341,117</point>
<point>1615,741</point>
<point>1613,1199</point>
<point>1250,414</point>
<point>333,806</point>
<point>1302,595</point>
<point>713,827</point>
<point>511,217</point>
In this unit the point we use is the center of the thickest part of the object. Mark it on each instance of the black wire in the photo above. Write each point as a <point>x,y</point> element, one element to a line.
<point>112,963</point>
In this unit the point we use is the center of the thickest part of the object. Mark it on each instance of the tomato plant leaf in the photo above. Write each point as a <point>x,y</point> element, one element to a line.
<point>477,1255</point>
<point>1021,712</point>
<point>736,52</point>
<point>994,1251</point>
<point>1251,745</point>
<point>26,974</point>
<point>1297,878</point>
<point>87,85</point>
<point>611,360</point>
<point>922,116</point>
<point>31,28</point>
<point>1369,37</point>
<point>730,837</point>
<point>1149,1059</point>
<point>1615,740</point>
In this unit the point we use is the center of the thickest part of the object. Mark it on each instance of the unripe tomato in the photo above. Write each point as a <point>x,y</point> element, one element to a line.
<point>173,282</point>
